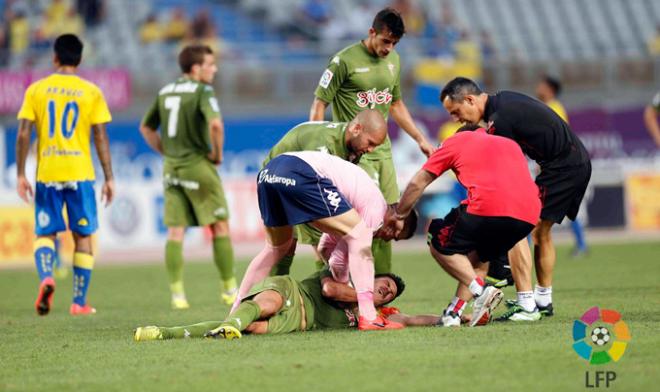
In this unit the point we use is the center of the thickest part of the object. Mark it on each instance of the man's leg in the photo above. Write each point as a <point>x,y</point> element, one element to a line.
<point>279,241</point>
<point>83,263</point>
<point>384,175</point>
<point>44,255</point>
<point>223,256</point>
<point>520,259</point>
<point>174,265</point>
<point>544,260</point>
<point>263,306</point>
<point>578,233</point>
<point>460,267</point>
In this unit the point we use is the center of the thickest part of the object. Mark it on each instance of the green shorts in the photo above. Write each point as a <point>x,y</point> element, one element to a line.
<point>193,194</point>
<point>290,317</point>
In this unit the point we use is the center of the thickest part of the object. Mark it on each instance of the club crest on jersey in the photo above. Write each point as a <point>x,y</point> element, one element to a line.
<point>372,98</point>
<point>390,66</point>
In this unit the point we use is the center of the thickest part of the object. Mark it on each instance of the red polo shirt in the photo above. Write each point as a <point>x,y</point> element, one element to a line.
<point>494,171</point>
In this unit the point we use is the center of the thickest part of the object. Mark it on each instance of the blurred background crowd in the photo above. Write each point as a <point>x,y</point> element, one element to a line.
<point>604,56</point>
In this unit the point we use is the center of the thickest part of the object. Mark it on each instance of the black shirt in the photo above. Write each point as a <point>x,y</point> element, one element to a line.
<point>539,131</point>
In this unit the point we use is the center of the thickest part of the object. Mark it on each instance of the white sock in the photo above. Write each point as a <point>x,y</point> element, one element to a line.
<point>456,305</point>
<point>543,295</point>
<point>477,286</point>
<point>526,300</point>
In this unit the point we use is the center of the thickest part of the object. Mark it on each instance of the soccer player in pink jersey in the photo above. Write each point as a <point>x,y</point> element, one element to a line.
<point>333,195</point>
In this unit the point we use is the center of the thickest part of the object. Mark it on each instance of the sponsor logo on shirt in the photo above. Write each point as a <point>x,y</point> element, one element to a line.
<point>372,98</point>
<point>326,78</point>
<point>333,198</point>
<point>273,179</point>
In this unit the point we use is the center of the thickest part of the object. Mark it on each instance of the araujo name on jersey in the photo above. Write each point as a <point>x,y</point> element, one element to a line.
<point>273,179</point>
<point>373,97</point>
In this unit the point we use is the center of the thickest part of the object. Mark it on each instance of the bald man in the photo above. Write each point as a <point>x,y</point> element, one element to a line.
<point>348,141</point>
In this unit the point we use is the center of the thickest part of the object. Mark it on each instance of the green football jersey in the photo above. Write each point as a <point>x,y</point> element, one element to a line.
<point>328,137</point>
<point>327,314</point>
<point>183,110</point>
<point>356,80</point>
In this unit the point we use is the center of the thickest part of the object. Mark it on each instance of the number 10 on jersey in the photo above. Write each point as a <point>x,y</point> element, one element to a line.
<point>66,127</point>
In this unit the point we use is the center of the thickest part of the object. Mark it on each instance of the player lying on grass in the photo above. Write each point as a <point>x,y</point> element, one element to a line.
<point>502,208</point>
<point>336,197</point>
<point>280,304</point>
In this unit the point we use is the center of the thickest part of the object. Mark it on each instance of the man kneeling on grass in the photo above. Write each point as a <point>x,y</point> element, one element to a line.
<point>280,304</point>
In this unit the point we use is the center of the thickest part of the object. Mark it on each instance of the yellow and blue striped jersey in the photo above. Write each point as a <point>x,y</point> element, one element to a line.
<point>64,107</point>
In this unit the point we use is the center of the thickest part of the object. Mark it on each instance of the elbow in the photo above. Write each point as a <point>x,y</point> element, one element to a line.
<point>328,290</point>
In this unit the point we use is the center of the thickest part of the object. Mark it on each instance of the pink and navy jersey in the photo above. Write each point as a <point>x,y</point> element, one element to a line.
<point>354,183</point>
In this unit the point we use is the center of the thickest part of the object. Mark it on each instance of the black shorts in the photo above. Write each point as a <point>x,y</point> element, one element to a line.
<point>562,191</point>
<point>461,232</point>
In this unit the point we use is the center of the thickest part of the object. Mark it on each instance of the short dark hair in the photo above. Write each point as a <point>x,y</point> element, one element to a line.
<point>458,88</point>
<point>468,127</point>
<point>409,226</point>
<point>390,18</point>
<point>68,49</point>
<point>398,281</point>
<point>553,83</point>
<point>191,55</point>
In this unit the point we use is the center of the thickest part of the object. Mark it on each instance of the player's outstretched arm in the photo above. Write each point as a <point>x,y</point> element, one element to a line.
<point>152,138</point>
<point>217,133</point>
<point>22,146</point>
<point>651,122</point>
<point>394,217</point>
<point>418,320</point>
<point>317,111</point>
<point>103,151</point>
<point>402,117</point>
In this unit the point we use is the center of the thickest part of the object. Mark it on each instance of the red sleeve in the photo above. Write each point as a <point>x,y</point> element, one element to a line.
<point>443,158</point>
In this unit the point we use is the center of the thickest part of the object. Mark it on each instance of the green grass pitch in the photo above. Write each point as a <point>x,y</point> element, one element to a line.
<point>59,352</point>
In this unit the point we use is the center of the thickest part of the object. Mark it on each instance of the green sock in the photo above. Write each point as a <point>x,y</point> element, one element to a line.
<point>382,251</point>
<point>174,264</point>
<point>247,312</point>
<point>223,256</point>
<point>283,267</point>
<point>189,331</point>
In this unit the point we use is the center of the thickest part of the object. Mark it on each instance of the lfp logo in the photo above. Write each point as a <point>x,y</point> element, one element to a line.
<point>600,336</point>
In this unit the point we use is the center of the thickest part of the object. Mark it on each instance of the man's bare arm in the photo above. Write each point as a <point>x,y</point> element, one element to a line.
<point>651,121</point>
<point>317,111</point>
<point>23,186</point>
<point>103,150</point>
<point>402,117</point>
<point>336,291</point>
<point>152,138</point>
<point>23,145</point>
<point>414,320</point>
<point>217,133</point>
